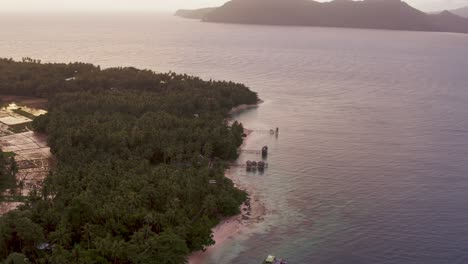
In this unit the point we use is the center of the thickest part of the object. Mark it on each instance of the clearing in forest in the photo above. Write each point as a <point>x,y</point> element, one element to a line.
<point>29,149</point>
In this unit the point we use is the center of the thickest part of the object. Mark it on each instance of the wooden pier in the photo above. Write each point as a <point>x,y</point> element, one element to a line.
<point>267,131</point>
<point>244,165</point>
<point>247,151</point>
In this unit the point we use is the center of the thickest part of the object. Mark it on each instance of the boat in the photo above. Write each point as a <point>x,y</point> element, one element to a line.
<point>274,260</point>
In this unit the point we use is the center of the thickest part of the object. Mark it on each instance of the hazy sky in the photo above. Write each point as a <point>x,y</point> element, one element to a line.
<point>166,5</point>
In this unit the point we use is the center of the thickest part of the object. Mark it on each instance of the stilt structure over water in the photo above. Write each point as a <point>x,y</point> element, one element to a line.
<point>253,165</point>
<point>265,151</point>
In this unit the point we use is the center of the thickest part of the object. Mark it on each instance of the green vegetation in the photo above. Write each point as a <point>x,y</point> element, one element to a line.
<point>19,111</point>
<point>8,170</point>
<point>8,154</point>
<point>20,128</point>
<point>13,196</point>
<point>135,153</point>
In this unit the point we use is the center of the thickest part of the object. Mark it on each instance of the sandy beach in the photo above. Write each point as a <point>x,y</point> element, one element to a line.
<point>252,212</point>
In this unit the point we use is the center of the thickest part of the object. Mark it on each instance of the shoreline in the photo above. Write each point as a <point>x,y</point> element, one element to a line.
<point>238,109</point>
<point>252,210</point>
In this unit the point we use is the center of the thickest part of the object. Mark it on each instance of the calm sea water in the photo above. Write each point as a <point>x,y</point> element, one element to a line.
<point>371,165</point>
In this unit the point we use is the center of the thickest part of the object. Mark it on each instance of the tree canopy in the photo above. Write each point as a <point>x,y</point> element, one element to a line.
<point>136,151</point>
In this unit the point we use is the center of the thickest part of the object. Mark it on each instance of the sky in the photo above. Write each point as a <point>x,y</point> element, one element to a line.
<point>164,5</point>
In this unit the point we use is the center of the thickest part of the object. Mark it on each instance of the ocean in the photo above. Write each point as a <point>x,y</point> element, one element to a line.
<point>371,161</point>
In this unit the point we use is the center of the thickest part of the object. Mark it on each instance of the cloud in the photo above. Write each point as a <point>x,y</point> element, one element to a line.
<point>102,5</point>
<point>432,5</point>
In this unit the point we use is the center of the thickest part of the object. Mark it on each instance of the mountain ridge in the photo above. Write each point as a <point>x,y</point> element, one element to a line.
<point>371,14</point>
<point>462,11</point>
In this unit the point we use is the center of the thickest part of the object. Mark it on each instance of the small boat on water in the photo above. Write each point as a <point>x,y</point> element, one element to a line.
<point>274,260</point>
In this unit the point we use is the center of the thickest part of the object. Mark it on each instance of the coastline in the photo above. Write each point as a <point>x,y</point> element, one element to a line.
<point>251,211</point>
<point>243,107</point>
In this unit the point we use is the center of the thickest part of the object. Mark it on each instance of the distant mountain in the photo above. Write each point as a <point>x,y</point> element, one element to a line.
<point>374,14</point>
<point>461,11</point>
<point>194,14</point>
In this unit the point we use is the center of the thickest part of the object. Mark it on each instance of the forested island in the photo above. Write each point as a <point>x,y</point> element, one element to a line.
<point>140,164</point>
<point>372,14</point>
<point>194,14</point>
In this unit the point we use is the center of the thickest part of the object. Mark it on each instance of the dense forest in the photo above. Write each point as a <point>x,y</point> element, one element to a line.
<point>8,170</point>
<point>136,152</point>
